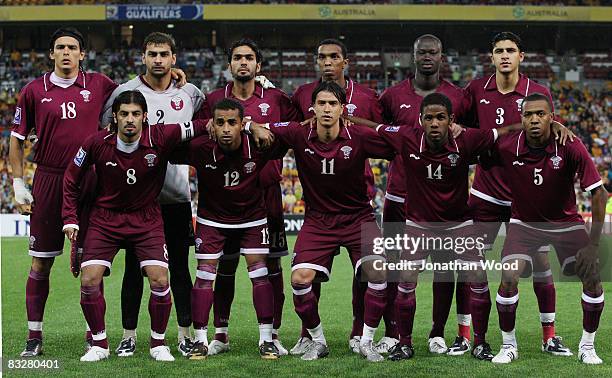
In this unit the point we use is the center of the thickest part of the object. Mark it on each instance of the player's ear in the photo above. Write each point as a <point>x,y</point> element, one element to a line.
<point>143,58</point>
<point>82,56</point>
<point>452,119</point>
<point>258,67</point>
<point>51,55</point>
<point>173,59</point>
<point>521,56</point>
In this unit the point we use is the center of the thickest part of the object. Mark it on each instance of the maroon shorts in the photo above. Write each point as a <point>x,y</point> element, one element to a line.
<point>322,235</point>
<point>142,231</point>
<point>489,217</point>
<point>211,241</point>
<point>524,241</point>
<point>276,221</point>
<point>458,243</point>
<point>46,235</point>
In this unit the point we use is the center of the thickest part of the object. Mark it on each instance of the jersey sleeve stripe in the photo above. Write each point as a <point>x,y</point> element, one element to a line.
<point>591,187</point>
<point>17,135</point>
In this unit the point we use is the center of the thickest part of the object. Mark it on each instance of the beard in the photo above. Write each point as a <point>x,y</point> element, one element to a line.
<point>244,78</point>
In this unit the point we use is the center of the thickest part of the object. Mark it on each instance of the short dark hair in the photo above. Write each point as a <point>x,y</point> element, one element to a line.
<point>537,96</point>
<point>245,42</point>
<point>507,36</point>
<point>158,38</point>
<point>67,32</point>
<point>437,99</point>
<point>128,97</point>
<point>229,104</point>
<point>428,36</point>
<point>330,86</point>
<point>333,41</point>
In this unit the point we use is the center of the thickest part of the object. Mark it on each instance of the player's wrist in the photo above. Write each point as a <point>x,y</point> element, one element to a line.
<point>70,225</point>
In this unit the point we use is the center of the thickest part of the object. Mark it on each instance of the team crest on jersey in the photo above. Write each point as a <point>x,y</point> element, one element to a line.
<point>264,107</point>
<point>86,95</point>
<point>17,119</point>
<point>519,102</point>
<point>150,158</point>
<point>350,108</point>
<point>32,241</point>
<point>249,167</point>
<point>176,103</point>
<point>556,161</point>
<point>346,150</point>
<point>453,159</point>
<point>80,157</point>
<point>198,243</point>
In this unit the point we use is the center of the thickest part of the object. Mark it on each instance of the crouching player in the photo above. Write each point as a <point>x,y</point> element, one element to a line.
<point>541,174</point>
<point>230,207</point>
<point>130,161</point>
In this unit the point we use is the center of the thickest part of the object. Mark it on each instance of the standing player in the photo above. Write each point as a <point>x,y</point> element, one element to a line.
<point>401,104</point>
<point>231,206</point>
<point>63,107</point>
<point>167,104</point>
<point>361,102</point>
<point>261,105</point>
<point>130,161</point>
<point>496,101</point>
<point>331,162</point>
<point>540,173</point>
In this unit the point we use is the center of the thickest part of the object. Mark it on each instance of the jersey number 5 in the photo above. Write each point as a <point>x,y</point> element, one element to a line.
<point>537,177</point>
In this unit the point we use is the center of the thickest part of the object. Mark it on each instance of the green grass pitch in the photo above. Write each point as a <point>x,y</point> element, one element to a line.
<point>64,326</point>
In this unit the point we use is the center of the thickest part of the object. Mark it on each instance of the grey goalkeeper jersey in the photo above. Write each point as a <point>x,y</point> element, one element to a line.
<point>174,105</point>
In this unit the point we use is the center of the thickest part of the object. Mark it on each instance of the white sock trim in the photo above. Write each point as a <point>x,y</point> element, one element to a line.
<point>162,293</point>
<point>544,274</point>
<point>587,338</point>
<point>509,338</point>
<point>367,334</point>
<point>507,300</point>
<point>158,336</point>
<point>464,319</point>
<point>204,275</point>
<point>35,326</point>
<point>261,272</point>
<point>407,291</point>
<point>302,291</point>
<point>99,336</point>
<point>377,286</point>
<point>265,333</point>
<point>547,317</point>
<point>590,299</point>
<point>221,330</point>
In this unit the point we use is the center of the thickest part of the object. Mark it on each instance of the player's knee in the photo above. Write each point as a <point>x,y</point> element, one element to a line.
<point>302,276</point>
<point>42,265</point>
<point>541,263</point>
<point>90,278</point>
<point>509,285</point>
<point>273,264</point>
<point>160,280</point>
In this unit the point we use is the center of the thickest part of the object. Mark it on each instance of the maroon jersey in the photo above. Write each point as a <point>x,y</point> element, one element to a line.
<point>229,192</point>
<point>361,101</point>
<point>401,106</point>
<point>332,174</point>
<point>542,180</point>
<point>492,109</point>
<point>126,181</point>
<point>62,117</point>
<point>437,181</point>
<point>265,106</point>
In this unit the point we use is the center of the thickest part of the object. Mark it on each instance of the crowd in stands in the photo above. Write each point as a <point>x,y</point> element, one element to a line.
<point>349,2</point>
<point>586,111</point>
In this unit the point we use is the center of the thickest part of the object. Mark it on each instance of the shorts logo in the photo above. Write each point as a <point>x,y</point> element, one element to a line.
<point>392,129</point>
<point>86,95</point>
<point>150,158</point>
<point>264,107</point>
<point>346,150</point>
<point>198,243</point>
<point>453,159</point>
<point>350,108</point>
<point>32,240</point>
<point>249,167</point>
<point>176,103</point>
<point>556,162</point>
<point>17,119</point>
<point>165,252</point>
<point>80,157</point>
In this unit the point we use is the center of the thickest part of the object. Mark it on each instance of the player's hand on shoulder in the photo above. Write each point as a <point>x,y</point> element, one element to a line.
<point>587,261</point>
<point>211,130</point>
<point>308,122</point>
<point>264,82</point>
<point>456,129</point>
<point>180,76</point>
<point>262,136</point>
<point>562,132</point>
